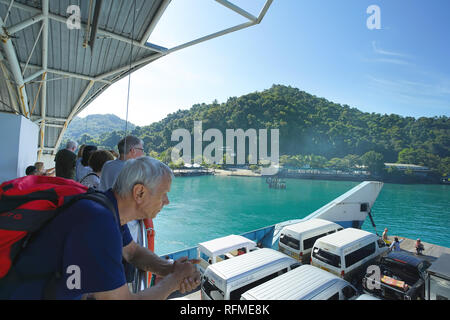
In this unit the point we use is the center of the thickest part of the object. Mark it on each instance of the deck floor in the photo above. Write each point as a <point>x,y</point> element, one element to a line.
<point>430,253</point>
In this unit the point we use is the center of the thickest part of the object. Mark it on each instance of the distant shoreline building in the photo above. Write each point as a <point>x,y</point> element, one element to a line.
<point>416,169</point>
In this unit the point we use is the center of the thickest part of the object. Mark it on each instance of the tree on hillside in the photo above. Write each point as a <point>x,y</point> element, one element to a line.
<point>418,157</point>
<point>309,125</point>
<point>374,162</point>
<point>87,140</point>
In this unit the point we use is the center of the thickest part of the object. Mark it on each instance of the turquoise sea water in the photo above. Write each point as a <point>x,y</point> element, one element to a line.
<point>204,208</point>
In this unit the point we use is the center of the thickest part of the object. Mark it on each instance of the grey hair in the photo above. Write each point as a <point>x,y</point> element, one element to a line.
<point>144,170</point>
<point>129,142</point>
<point>71,144</point>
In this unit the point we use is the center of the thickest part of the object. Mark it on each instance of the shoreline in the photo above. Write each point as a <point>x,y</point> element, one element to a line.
<point>323,177</point>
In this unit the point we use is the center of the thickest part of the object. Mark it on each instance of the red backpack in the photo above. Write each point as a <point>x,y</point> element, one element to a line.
<point>27,204</point>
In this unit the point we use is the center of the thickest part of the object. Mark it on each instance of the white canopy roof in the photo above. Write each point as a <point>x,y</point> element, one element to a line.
<point>225,244</point>
<point>50,70</point>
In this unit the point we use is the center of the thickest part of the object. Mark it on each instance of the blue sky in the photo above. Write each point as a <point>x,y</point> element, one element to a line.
<point>322,47</point>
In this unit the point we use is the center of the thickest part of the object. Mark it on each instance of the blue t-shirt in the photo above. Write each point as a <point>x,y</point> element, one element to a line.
<point>85,244</point>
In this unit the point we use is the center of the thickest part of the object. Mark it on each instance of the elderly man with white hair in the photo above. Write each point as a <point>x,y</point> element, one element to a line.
<point>86,242</point>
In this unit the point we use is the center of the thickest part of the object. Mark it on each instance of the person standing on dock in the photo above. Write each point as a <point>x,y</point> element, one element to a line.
<point>419,247</point>
<point>385,236</point>
<point>395,246</point>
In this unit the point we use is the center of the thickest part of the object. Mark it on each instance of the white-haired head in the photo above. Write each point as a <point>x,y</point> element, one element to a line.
<point>144,170</point>
<point>71,145</point>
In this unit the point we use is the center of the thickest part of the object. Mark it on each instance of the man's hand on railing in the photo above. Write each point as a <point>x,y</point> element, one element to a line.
<point>189,275</point>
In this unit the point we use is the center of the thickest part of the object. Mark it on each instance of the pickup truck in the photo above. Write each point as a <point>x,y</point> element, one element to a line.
<point>401,277</point>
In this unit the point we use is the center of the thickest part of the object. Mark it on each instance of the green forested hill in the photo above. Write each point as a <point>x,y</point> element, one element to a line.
<point>94,127</point>
<point>312,126</point>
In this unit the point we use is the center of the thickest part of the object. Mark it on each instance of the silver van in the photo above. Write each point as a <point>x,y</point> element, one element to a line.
<point>298,239</point>
<point>303,283</point>
<point>228,279</point>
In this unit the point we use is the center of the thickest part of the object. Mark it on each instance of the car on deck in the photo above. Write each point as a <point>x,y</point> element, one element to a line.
<point>400,277</point>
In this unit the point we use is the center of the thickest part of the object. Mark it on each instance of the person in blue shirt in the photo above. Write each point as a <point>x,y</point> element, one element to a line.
<point>81,250</point>
<point>395,246</point>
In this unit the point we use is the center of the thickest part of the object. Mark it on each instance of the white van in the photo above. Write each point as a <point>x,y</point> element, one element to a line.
<point>298,239</point>
<point>219,249</point>
<point>304,283</point>
<point>348,252</point>
<point>228,279</point>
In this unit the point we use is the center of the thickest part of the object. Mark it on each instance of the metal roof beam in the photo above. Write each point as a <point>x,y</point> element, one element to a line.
<point>9,10</point>
<point>54,125</point>
<point>33,76</point>
<point>264,10</point>
<point>162,8</point>
<point>182,46</point>
<point>62,19</point>
<point>13,62</point>
<point>212,36</point>
<point>148,46</point>
<point>127,67</point>
<point>67,74</point>
<point>38,120</point>
<point>237,9</point>
<point>190,43</point>
<point>94,29</point>
<point>45,24</point>
<point>24,24</point>
<point>12,94</point>
<point>32,50</point>
<point>77,75</point>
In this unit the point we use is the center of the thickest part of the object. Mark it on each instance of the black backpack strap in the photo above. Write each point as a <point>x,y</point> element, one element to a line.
<point>102,199</point>
<point>93,195</point>
<point>9,203</point>
<point>89,174</point>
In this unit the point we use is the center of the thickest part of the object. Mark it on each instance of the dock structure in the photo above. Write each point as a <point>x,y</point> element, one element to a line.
<point>431,252</point>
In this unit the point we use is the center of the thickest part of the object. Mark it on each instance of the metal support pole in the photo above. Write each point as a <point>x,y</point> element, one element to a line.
<point>13,62</point>
<point>45,23</point>
<point>32,49</point>
<point>24,24</point>
<point>9,10</point>
<point>62,19</point>
<point>33,76</point>
<point>162,8</point>
<point>237,9</point>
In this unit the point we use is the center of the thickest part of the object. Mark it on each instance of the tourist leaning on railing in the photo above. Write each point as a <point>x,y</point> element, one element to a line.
<point>85,245</point>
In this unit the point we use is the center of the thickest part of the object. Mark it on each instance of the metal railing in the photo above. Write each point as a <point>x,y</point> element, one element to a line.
<point>140,281</point>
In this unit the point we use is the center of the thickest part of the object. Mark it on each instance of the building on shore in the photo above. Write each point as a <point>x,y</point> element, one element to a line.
<point>415,169</point>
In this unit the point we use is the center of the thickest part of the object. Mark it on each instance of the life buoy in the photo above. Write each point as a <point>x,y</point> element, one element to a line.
<point>150,234</point>
<point>148,223</point>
